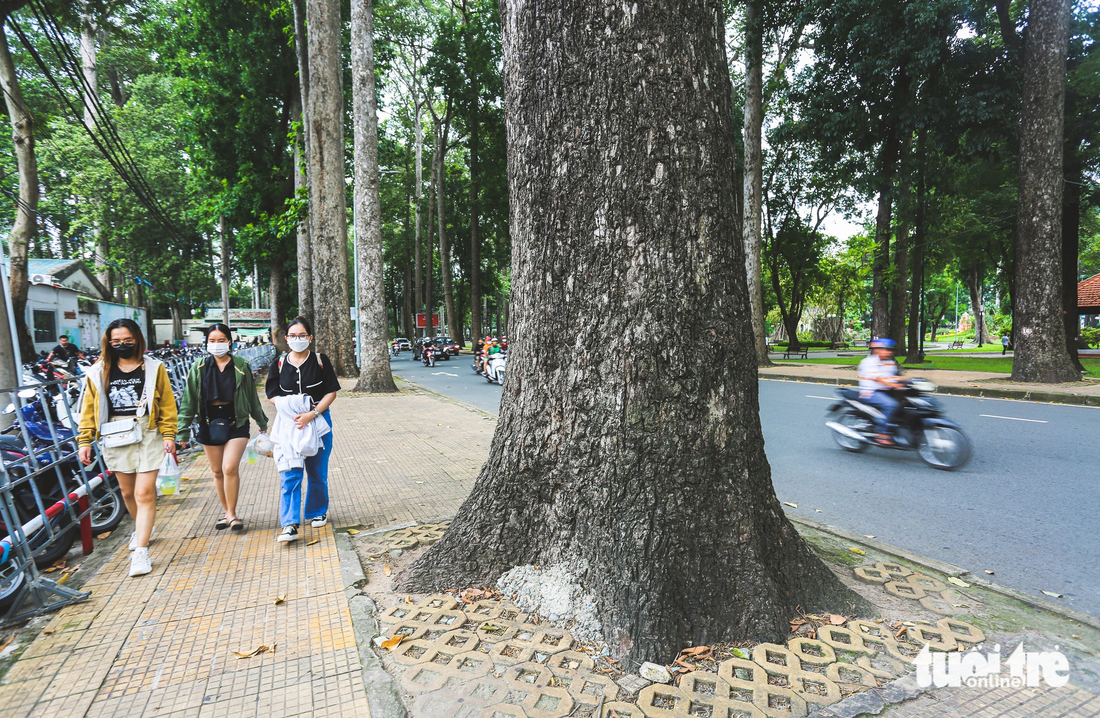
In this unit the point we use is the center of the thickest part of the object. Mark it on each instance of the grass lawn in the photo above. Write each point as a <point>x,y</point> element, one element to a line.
<point>971,350</point>
<point>954,363</point>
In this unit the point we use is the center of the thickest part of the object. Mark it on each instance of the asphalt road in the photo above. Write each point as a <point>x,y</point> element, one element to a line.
<point>1026,507</point>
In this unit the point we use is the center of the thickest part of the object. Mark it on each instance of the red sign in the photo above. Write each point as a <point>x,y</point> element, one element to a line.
<point>422,318</point>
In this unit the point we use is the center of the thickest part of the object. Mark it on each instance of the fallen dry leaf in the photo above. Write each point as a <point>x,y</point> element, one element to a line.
<point>901,632</point>
<point>958,582</point>
<point>695,650</point>
<point>280,599</point>
<point>103,535</point>
<point>391,643</point>
<point>353,531</point>
<point>1055,595</point>
<point>861,552</point>
<point>386,569</point>
<point>681,662</point>
<point>255,652</point>
<point>185,479</point>
<point>47,632</point>
<point>7,641</point>
<point>310,543</point>
<point>837,619</point>
<point>788,503</point>
<point>408,599</point>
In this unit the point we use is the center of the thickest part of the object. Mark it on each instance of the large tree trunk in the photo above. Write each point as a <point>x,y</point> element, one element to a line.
<point>753,183</point>
<point>275,290</point>
<point>899,292</point>
<point>474,148</point>
<point>88,67</point>
<point>632,454</point>
<point>223,232</point>
<point>407,311</point>
<point>916,300</point>
<point>1071,231</point>
<point>327,206</point>
<point>974,276</point>
<point>442,129</point>
<point>429,255</point>
<point>304,253</point>
<point>374,359</point>
<point>1040,335</point>
<point>419,195</point>
<point>22,230</point>
<point>880,288</point>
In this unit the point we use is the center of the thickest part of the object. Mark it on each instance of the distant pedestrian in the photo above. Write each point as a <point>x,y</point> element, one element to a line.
<point>1004,344</point>
<point>302,385</point>
<point>123,387</point>
<point>220,390</point>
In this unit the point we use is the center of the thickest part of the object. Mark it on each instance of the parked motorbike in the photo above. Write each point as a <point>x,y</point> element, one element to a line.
<point>921,425</point>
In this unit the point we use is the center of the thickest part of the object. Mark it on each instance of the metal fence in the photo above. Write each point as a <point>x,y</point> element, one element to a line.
<point>47,497</point>
<point>259,357</point>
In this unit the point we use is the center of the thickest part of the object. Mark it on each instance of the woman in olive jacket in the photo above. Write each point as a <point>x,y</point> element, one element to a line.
<point>221,387</point>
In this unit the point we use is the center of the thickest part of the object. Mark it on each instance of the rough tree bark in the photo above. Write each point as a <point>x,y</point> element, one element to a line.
<point>328,235</point>
<point>632,453</point>
<point>374,359</point>
<point>301,158</point>
<point>223,248</point>
<point>88,67</point>
<point>913,350</point>
<point>474,148</point>
<point>177,322</point>
<point>753,184</point>
<point>1039,334</point>
<point>22,124</point>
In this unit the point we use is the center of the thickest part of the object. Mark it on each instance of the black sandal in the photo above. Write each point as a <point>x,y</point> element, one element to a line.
<point>222,524</point>
<point>236,525</point>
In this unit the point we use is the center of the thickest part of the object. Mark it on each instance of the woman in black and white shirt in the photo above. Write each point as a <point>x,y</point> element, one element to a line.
<point>304,372</point>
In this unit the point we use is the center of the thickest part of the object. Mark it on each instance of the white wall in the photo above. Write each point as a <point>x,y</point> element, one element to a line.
<point>62,304</point>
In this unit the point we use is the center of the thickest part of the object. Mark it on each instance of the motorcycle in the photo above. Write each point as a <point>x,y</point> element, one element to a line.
<point>478,359</point>
<point>428,355</point>
<point>921,425</point>
<point>495,371</point>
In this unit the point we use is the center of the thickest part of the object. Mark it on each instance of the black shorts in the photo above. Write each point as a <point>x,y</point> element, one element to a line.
<point>222,411</point>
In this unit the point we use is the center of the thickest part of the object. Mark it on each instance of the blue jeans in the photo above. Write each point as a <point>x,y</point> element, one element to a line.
<point>886,404</point>
<point>290,500</point>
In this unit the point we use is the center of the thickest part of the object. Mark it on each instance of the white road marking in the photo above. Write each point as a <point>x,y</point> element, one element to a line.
<point>813,396</point>
<point>1013,418</point>
<point>446,373</point>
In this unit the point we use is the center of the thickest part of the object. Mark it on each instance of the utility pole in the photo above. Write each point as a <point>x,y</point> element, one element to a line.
<point>10,372</point>
<point>956,310</point>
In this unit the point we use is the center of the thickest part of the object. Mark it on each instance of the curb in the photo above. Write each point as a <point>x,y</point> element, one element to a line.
<point>1044,397</point>
<point>449,399</point>
<point>875,700</point>
<point>383,696</point>
<point>948,569</point>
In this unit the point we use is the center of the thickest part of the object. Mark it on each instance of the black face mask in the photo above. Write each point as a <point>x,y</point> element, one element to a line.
<point>123,351</point>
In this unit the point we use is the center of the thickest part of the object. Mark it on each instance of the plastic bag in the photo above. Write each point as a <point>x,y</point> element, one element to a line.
<point>168,480</point>
<point>259,445</point>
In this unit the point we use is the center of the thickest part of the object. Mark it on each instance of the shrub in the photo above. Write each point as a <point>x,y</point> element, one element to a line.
<point>1091,335</point>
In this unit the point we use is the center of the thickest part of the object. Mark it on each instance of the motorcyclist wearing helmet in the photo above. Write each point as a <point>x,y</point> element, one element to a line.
<point>878,374</point>
<point>492,348</point>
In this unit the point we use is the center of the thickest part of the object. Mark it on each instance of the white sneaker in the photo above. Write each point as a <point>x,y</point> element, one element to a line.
<point>319,521</point>
<point>133,539</point>
<point>290,533</point>
<point>139,562</point>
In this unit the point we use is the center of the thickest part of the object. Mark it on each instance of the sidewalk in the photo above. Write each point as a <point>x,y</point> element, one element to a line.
<point>964,383</point>
<point>164,644</point>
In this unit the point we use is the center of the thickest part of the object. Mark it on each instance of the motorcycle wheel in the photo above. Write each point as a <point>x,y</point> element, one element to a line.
<point>9,591</point>
<point>109,510</point>
<point>855,423</point>
<point>944,448</point>
<point>63,542</point>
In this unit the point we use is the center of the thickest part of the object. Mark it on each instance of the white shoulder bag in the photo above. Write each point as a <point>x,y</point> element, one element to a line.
<point>123,432</point>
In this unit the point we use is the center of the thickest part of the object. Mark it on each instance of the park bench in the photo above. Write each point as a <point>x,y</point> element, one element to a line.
<point>957,344</point>
<point>860,344</point>
<point>803,352</point>
<point>838,345</point>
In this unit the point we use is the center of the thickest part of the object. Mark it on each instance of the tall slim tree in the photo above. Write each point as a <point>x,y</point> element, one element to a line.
<point>327,205</point>
<point>623,207</point>
<point>1040,335</point>
<point>23,133</point>
<point>301,159</point>
<point>753,185</point>
<point>374,360</point>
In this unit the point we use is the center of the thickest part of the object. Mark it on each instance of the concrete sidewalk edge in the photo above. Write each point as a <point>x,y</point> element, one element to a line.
<point>1044,397</point>
<point>951,570</point>
<point>874,700</point>
<point>383,697</point>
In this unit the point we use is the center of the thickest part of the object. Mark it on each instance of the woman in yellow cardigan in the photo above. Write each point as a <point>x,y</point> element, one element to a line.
<point>127,385</point>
